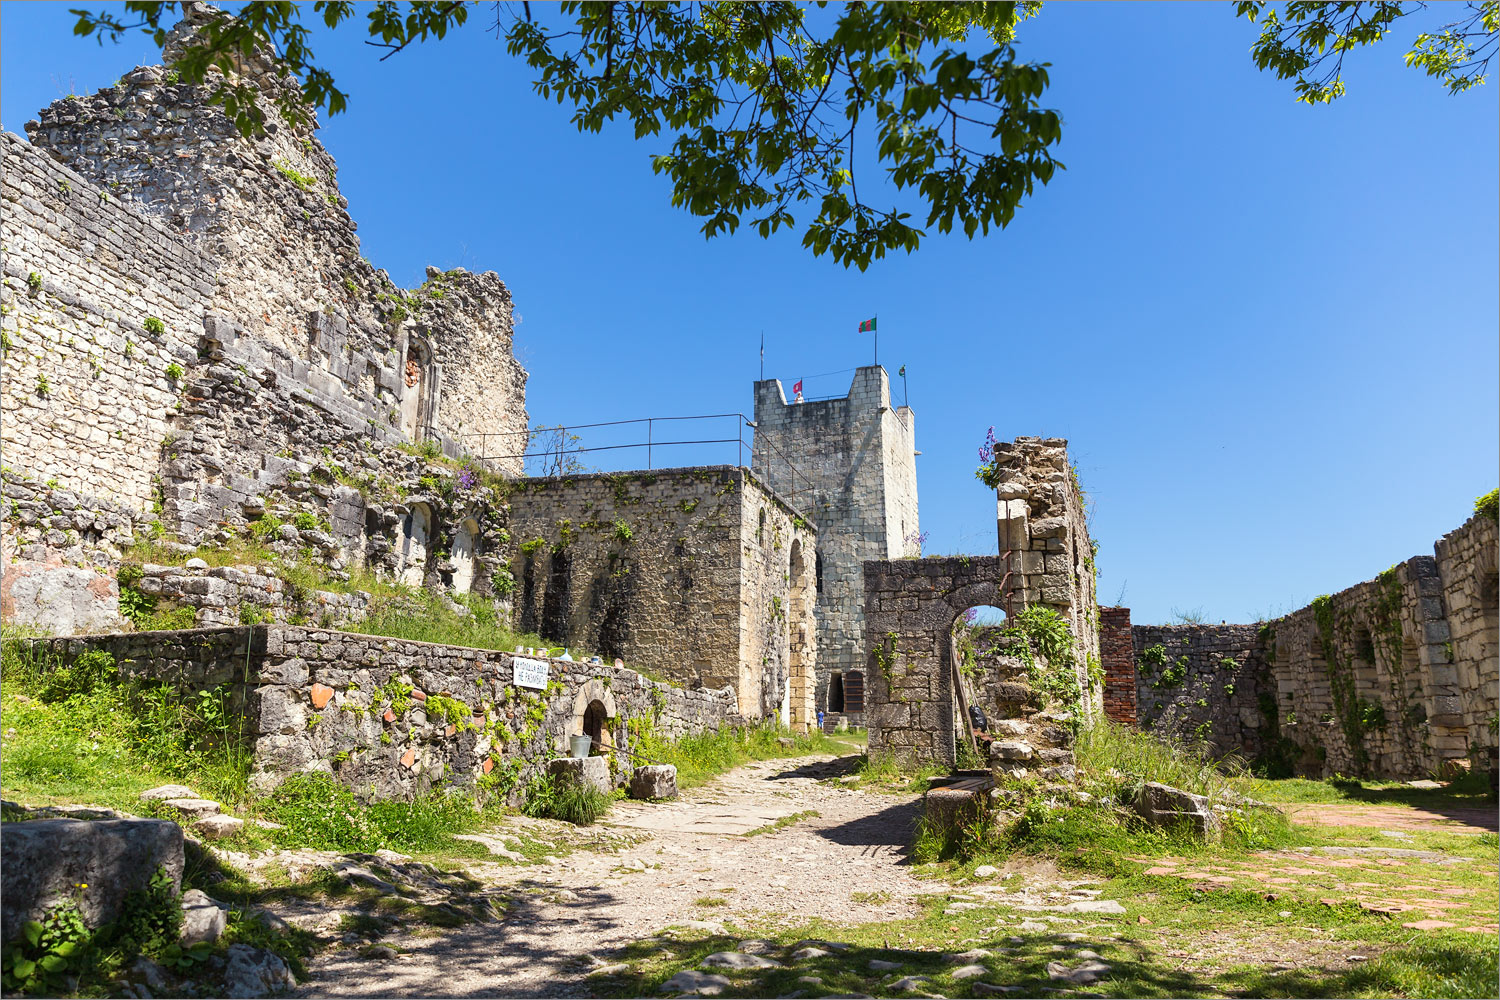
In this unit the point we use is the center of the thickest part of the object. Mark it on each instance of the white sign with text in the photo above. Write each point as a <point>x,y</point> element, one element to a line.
<point>529,673</point>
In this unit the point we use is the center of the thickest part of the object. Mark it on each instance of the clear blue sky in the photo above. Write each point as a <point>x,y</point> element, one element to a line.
<point>1269,332</point>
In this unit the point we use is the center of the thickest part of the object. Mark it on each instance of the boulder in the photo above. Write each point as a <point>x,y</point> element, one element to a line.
<point>1016,750</point>
<point>590,770</point>
<point>194,808</point>
<point>1162,805</point>
<point>738,960</point>
<point>202,919</point>
<point>254,972</point>
<point>44,861</point>
<point>654,781</point>
<point>168,792</point>
<point>691,982</point>
<point>218,826</point>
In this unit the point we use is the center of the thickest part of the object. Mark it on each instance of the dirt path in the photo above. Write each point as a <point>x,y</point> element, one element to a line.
<point>846,864</point>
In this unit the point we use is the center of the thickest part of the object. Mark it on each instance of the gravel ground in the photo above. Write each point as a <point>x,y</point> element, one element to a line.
<point>567,915</point>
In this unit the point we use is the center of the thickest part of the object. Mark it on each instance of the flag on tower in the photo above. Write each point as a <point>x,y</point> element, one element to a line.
<point>797,386</point>
<point>868,326</point>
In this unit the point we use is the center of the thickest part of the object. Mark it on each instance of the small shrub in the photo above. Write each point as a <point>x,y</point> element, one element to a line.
<point>622,531</point>
<point>34,281</point>
<point>574,802</point>
<point>174,371</point>
<point>154,326</point>
<point>1488,505</point>
<point>43,387</point>
<point>306,521</point>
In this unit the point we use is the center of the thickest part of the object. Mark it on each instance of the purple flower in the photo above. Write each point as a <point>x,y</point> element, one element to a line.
<point>467,479</point>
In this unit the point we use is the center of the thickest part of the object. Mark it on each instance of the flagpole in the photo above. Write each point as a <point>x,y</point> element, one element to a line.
<point>762,355</point>
<point>875,329</point>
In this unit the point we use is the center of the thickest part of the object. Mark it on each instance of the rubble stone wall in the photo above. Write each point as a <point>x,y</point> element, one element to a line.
<point>683,572</point>
<point>1203,682</point>
<point>391,718</point>
<point>849,464</point>
<point>1044,541</point>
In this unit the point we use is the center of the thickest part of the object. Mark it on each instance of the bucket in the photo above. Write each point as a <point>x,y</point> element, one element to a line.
<point>580,745</point>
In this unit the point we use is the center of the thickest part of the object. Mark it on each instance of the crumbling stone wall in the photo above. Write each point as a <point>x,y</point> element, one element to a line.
<point>391,718</point>
<point>286,260</point>
<point>850,465</point>
<point>1044,540</point>
<point>1466,561</point>
<point>1203,682</point>
<point>1395,677</point>
<point>683,572</point>
<point>88,390</point>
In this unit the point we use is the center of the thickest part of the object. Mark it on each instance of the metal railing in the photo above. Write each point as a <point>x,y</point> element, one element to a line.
<point>559,450</point>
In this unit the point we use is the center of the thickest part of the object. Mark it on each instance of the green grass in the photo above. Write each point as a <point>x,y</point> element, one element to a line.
<point>1469,790</point>
<point>579,803</point>
<point>699,758</point>
<point>1172,941</point>
<point>103,741</point>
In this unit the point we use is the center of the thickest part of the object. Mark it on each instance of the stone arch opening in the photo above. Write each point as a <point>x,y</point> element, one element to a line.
<point>463,555</point>
<point>836,692</point>
<point>595,722</point>
<point>595,715</point>
<point>416,530</point>
<point>760,528</point>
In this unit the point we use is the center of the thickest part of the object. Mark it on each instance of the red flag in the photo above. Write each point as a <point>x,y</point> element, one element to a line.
<point>797,387</point>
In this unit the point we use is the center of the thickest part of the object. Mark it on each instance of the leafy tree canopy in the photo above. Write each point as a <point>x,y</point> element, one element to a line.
<point>764,102</point>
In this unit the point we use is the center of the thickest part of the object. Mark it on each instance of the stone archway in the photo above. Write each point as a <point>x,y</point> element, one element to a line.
<point>417,376</point>
<point>593,709</point>
<point>910,609</point>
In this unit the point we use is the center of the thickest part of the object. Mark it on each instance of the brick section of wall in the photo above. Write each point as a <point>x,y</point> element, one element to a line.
<point>1117,655</point>
<point>364,708</point>
<point>850,466</point>
<point>699,574</point>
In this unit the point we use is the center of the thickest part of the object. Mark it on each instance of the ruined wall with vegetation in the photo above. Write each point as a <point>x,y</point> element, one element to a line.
<point>391,718</point>
<point>1207,683</point>
<point>1396,677</point>
<point>686,573</point>
<point>1044,543</point>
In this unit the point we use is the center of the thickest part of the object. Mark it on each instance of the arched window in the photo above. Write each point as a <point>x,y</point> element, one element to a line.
<point>411,560</point>
<point>416,389</point>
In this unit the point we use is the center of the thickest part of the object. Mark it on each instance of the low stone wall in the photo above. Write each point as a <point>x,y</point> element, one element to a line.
<point>391,718</point>
<point>222,595</point>
<point>1204,682</point>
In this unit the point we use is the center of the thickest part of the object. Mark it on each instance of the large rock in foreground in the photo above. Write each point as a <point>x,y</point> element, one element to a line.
<point>582,770</point>
<point>1162,805</point>
<point>654,781</point>
<point>42,863</point>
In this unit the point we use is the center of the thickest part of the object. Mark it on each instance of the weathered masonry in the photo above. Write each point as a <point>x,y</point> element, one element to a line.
<point>1394,677</point>
<point>850,464</point>
<point>391,718</point>
<point>193,346</point>
<point>912,606</point>
<point>700,574</point>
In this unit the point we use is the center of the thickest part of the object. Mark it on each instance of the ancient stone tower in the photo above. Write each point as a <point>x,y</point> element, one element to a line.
<point>849,464</point>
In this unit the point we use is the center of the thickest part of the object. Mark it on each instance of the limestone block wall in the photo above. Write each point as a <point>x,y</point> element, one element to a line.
<point>1466,561</point>
<point>849,464</point>
<point>687,573</point>
<point>1204,683</point>
<point>88,391</point>
<point>221,595</point>
<point>391,718</point>
<point>1044,540</point>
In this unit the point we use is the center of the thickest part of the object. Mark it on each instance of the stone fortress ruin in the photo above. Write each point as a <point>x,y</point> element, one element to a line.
<point>197,356</point>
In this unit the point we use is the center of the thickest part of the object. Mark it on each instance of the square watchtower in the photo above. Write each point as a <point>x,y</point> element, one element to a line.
<point>849,464</point>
